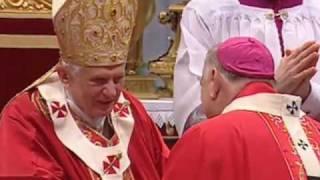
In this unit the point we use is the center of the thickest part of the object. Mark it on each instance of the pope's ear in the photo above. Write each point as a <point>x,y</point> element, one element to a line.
<point>63,74</point>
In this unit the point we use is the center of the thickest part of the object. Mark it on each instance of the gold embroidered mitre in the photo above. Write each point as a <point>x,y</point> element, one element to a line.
<point>95,32</point>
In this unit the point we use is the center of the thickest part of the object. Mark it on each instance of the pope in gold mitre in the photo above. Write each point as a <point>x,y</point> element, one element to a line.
<point>77,122</point>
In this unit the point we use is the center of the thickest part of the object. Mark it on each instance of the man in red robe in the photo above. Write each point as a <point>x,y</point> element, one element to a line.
<point>76,122</point>
<point>259,135</point>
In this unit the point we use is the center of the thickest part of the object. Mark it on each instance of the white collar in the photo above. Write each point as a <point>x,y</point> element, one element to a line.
<point>275,104</point>
<point>289,109</point>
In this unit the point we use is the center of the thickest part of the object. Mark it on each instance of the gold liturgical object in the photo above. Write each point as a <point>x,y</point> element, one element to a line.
<point>142,86</point>
<point>164,65</point>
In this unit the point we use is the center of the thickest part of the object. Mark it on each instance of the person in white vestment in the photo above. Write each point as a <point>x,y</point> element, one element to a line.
<point>289,28</point>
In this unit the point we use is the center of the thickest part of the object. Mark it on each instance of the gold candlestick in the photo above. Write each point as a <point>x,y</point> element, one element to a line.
<point>164,65</point>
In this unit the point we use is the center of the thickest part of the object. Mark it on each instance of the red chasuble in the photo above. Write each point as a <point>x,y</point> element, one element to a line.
<point>242,145</point>
<point>30,148</point>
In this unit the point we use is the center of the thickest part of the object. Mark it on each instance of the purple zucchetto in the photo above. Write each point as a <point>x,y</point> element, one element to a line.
<point>246,57</point>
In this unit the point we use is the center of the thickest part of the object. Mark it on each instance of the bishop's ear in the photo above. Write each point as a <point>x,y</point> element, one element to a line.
<point>214,83</point>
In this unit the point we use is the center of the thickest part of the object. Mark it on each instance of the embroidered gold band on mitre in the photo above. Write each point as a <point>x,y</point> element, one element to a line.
<point>95,32</point>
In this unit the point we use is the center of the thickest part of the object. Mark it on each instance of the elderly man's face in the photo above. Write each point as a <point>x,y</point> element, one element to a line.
<point>96,89</point>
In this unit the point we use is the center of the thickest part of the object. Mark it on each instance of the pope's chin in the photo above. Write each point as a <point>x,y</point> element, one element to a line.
<point>103,108</point>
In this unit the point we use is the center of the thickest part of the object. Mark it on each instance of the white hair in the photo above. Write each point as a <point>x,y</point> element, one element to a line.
<point>211,60</point>
<point>73,68</point>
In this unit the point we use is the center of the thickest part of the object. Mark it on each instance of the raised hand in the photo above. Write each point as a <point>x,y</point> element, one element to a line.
<point>296,69</point>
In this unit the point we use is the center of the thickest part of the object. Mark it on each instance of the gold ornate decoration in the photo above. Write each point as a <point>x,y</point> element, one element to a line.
<point>28,41</point>
<point>146,11</point>
<point>22,6</point>
<point>164,65</point>
<point>142,86</point>
<point>95,32</point>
